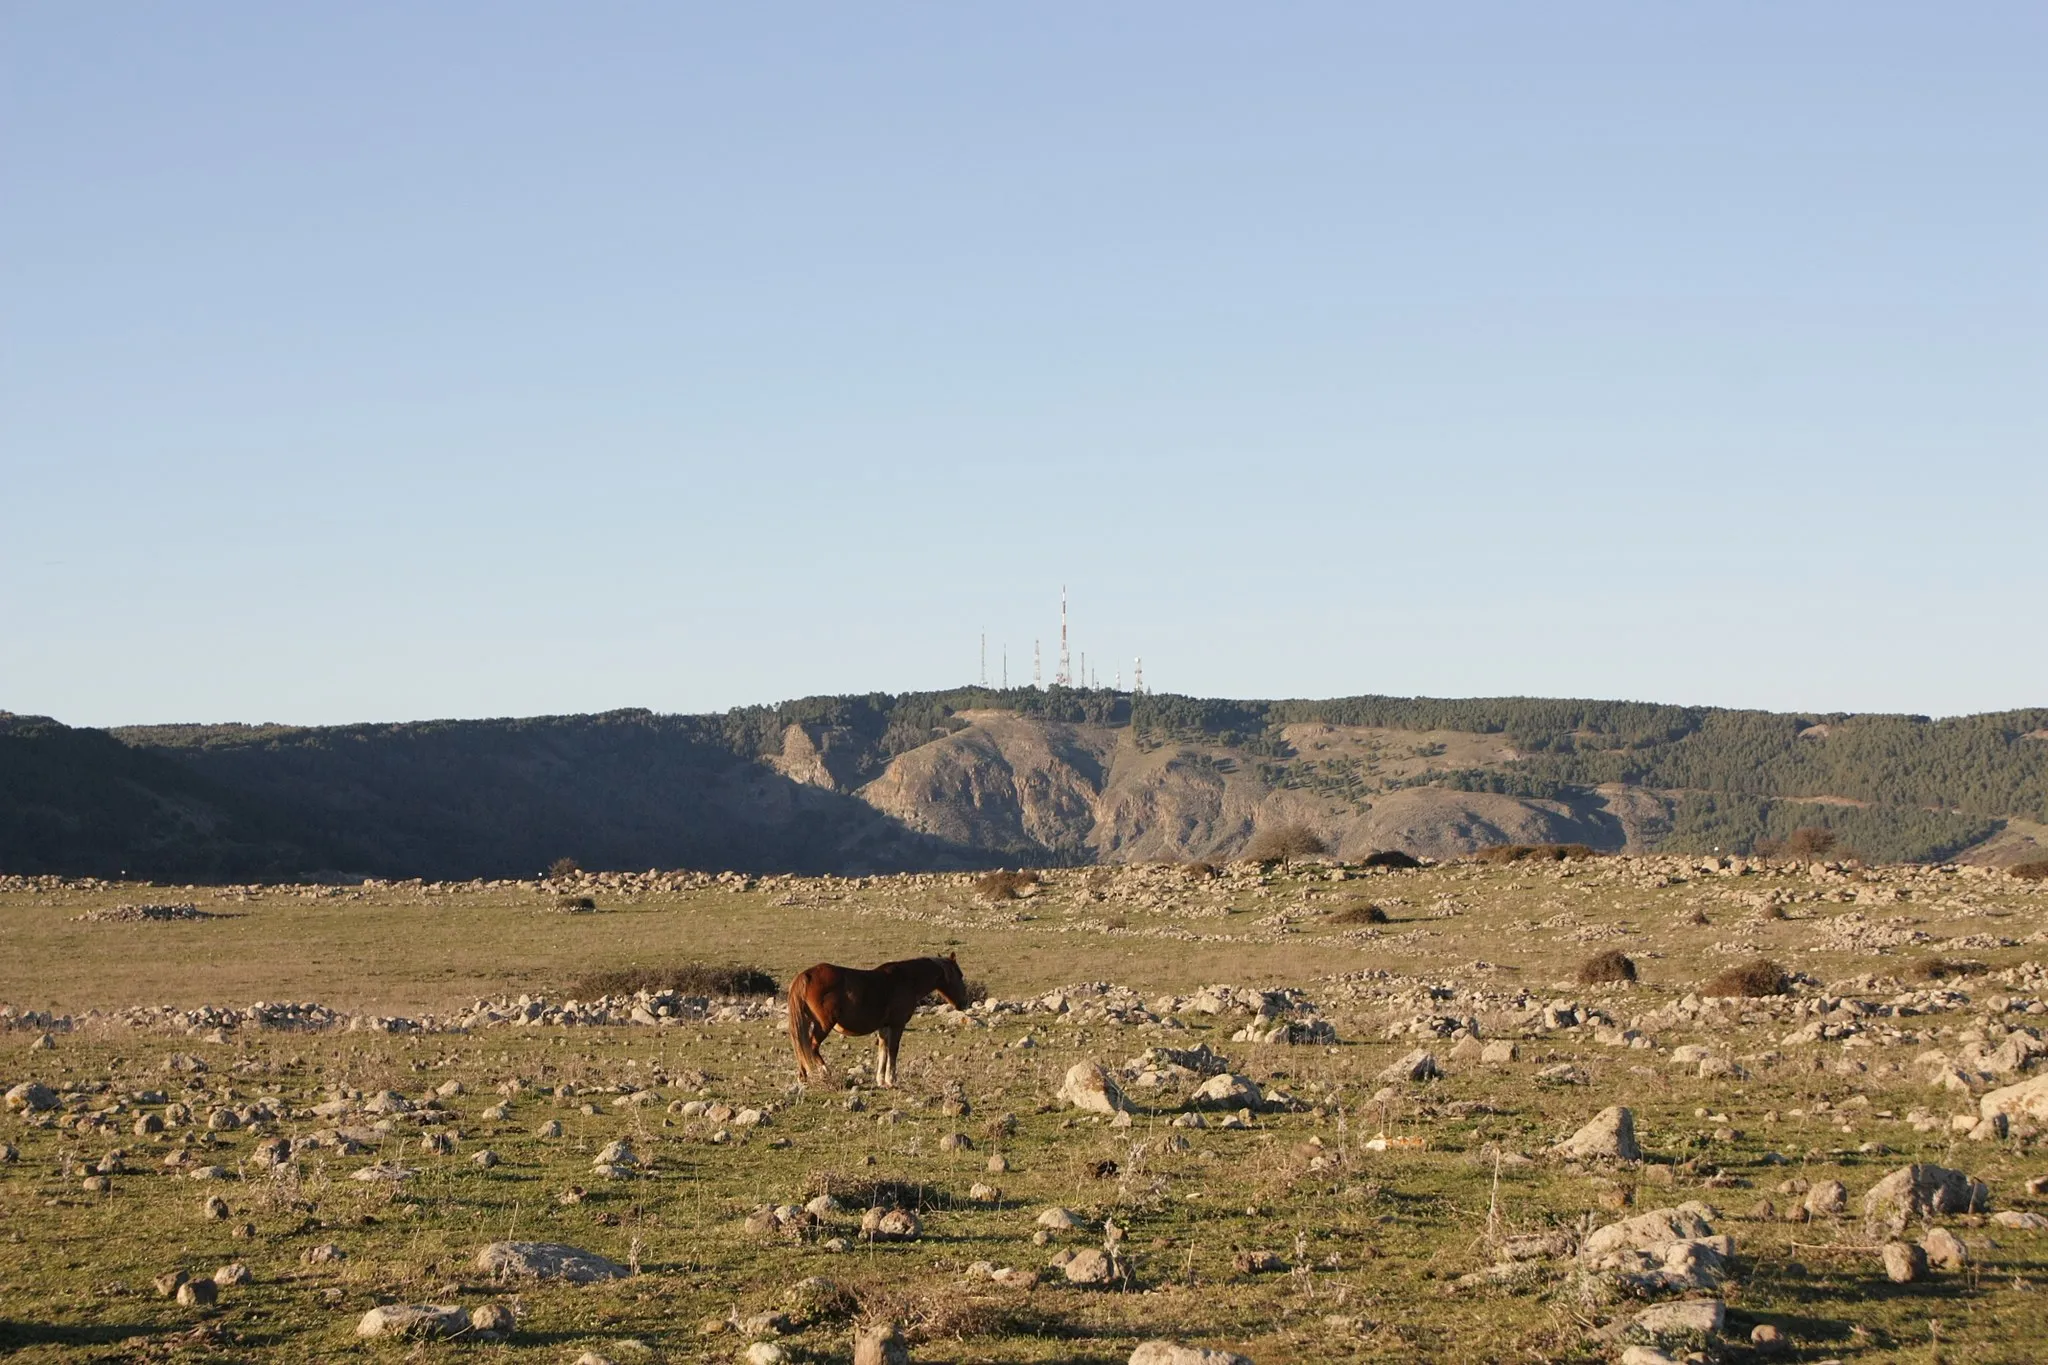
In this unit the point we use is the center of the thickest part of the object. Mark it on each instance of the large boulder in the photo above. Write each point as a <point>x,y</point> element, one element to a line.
<point>1922,1191</point>
<point>1611,1136</point>
<point>546,1261</point>
<point>1088,1087</point>
<point>1649,1230</point>
<point>2027,1100</point>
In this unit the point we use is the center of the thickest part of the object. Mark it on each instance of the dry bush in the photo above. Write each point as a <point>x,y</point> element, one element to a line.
<point>977,989</point>
<point>2035,871</point>
<point>1283,843</point>
<point>686,978</point>
<point>1200,869</point>
<point>1944,969</point>
<point>576,904</point>
<point>1757,977</point>
<point>1612,965</point>
<point>1394,858</point>
<point>1004,885</point>
<point>1698,917</point>
<point>1360,914</point>
<point>1775,911</point>
<point>939,1311</point>
<point>563,867</point>
<point>1533,853</point>
<point>1805,844</point>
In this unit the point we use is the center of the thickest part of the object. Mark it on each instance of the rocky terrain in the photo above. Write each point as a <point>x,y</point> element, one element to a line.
<point>1270,1113</point>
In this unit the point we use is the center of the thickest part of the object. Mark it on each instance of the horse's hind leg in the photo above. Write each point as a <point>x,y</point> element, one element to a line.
<point>885,1048</point>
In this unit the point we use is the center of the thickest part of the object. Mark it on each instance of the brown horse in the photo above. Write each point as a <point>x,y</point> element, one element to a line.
<point>855,1001</point>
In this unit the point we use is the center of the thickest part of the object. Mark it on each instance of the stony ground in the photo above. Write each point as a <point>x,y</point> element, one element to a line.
<point>1237,1112</point>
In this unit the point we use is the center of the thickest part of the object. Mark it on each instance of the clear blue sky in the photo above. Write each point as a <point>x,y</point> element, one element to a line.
<point>386,361</point>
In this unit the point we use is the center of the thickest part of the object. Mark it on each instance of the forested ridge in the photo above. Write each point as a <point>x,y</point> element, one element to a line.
<point>635,787</point>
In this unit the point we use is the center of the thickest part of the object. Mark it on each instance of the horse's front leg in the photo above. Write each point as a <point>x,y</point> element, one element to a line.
<point>883,1074</point>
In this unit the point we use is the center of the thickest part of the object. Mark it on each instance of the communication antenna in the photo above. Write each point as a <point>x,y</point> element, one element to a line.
<point>1138,678</point>
<point>1084,668</point>
<point>1037,676</point>
<point>984,658</point>
<point>1065,677</point>
<point>1006,668</point>
<point>1116,680</point>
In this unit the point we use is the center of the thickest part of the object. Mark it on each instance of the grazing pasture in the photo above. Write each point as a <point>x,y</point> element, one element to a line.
<point>1308,1133</point>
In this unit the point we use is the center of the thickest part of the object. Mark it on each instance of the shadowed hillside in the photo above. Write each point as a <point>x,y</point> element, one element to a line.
<point>978,777</point>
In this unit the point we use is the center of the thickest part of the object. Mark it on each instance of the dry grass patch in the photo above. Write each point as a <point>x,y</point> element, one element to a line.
<point>1756,978</point>
<point>1360,914</point>
<point>1601,968</point>
<point>2034,871</point>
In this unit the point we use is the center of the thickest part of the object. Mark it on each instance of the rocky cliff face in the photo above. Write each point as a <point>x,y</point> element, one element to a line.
<point>1076,793</point>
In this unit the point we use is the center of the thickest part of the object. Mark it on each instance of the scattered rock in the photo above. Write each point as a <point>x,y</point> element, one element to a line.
<point>1171,1353</point>
<point>1922,1191</point>
<point>546,1261</point>
<point>1419,1065</point>
<point>232,1275</point>
<point>1694,1318</point>
<point>1945,1250</point>
<point>1059,1220</point>
<point>198,1293</point>
<point>1611,1136</point>
<point>1903,1262</point>
<point>1829,1199</point>
<point>1089,1266</point>
<point>1088,1087</point>
<point>880,1345</point>
<point>413,1321</point>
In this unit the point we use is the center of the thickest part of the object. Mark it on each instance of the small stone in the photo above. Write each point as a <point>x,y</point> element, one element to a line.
<point>215,1207</point>
<point>1903,1262</point>
<point>1089,1266</point>
<point>998,1164</point>
<point>880,1345</point>
<point>324,1254</point>
<point>232,1275</point>
<point>198,1293</point>
<point>1059,1220</point>
<point>1088,1087</point>
<point>492,1322</point>
<point>167,1284</point>
<point>765,1353</point>
<point>546,1261</point>
<point>1828,1199</point>
<point>551,1129</point>
<point>1767,1338</point>
<point>485,1158</point>
<point>1945,1250</point>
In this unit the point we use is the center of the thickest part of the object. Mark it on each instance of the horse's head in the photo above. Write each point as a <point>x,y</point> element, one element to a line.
<point>952,985</point>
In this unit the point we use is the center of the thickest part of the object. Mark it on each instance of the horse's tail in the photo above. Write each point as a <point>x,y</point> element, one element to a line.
<point>800,1020</point>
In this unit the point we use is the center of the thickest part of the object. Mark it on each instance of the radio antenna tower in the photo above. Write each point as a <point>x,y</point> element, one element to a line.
<point>984,658</point>
<point>1037,674</point>
<point>1065,677</point>
<point>1138,678</point>
<point>1006,668</point>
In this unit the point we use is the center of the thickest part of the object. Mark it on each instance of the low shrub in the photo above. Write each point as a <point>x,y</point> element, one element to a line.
<point>686,978</point>
<point>563,867</point>
<point>1803,845</point>
<point>1360,914</point>
<point>1775,911</point>
<point>1612,965</point>
<point>1533,853</point>
<point>576,904</point>
<point>1755,978</point>
<point>1944,969</point>
<point>1004,885</point>
<point>1200,869</point>
<point>2035,871</point>
<point>1283,843</point>
<point>1393,858</point>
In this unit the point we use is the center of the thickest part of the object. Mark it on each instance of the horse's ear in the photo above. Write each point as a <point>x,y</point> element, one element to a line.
<point>952,957</point>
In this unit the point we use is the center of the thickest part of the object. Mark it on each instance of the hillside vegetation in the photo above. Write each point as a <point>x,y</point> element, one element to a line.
<point>977,777</point>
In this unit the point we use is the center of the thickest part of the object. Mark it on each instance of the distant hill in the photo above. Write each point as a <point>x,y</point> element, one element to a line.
<point>975,777</point>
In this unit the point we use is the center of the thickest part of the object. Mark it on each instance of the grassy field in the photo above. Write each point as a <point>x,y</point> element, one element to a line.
<point>1373,1247</point>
